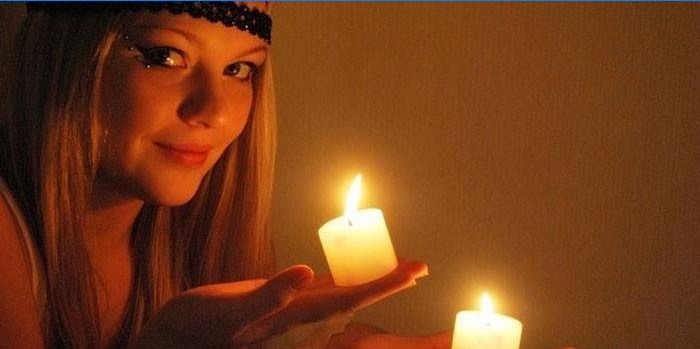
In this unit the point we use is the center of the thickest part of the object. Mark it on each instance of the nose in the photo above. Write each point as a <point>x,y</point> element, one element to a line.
<point>212,102</point>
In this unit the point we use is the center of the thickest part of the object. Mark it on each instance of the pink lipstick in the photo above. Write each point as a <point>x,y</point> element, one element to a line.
<point>190,155</point>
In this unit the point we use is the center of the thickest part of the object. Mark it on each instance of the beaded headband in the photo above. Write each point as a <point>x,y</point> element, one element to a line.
<point>229,14</point>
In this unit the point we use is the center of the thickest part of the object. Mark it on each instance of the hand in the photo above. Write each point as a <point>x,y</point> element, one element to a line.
<point>217,315</point>
<point>323,299</point>
<point>241,313</point>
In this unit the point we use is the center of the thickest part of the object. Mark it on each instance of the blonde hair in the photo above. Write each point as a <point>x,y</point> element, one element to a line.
<point>50,110</point>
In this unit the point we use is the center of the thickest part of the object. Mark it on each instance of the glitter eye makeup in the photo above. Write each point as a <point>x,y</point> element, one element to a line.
<point>158,56</point>
<point>241,70</point>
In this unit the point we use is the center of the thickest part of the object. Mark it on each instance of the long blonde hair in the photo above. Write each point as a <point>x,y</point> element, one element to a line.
<point>49,152</point>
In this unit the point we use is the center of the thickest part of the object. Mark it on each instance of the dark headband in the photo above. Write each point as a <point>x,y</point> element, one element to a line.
<point>230,14</point>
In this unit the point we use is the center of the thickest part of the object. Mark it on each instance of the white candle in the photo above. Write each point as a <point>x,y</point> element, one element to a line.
<point>486,329</point>
<point>357,245</point>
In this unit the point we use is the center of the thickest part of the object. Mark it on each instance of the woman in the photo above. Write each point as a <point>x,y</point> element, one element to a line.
<point>137,157</point>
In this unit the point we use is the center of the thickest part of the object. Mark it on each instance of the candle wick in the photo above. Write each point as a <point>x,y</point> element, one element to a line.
<point>350,221</point>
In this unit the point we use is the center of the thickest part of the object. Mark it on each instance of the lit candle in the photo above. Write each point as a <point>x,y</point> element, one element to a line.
<point>357,244</point>
<point>486,329</point>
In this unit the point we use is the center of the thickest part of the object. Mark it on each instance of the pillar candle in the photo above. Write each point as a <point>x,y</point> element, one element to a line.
<point>357,245</point>
<point>485,329</point>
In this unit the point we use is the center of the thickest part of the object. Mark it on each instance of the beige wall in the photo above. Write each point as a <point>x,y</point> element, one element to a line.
<point>547,153</point>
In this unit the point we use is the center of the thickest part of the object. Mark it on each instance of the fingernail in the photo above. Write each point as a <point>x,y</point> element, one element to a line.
<point>301,279</point>
<point>423,273</point>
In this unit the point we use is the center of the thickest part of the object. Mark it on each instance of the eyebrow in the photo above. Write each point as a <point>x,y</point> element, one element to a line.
<point>256,49</point>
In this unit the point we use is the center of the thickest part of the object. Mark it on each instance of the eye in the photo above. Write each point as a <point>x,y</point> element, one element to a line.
<point>240,70</point>
<point>162,56</point>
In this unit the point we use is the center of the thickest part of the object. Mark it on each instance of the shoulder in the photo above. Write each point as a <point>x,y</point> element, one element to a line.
<point>20,326</point>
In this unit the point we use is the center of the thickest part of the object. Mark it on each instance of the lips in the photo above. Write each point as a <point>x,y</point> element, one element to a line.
<point>190,155</point>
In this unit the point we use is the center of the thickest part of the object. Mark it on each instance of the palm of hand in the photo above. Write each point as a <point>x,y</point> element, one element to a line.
<point>242,313</point>
<point>323,299</point>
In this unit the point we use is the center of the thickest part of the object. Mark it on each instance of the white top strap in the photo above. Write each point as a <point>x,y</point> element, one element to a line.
<point>30,246</point>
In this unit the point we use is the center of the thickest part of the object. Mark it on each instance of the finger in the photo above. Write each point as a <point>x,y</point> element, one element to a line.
<point>411,270</point>
<point>442,340</point>
<point>341,299</point>
<point>274,325</point>
<point>318,302</point>
<point>320,281</point>
<point>229,289</point>
<point>352,333</point>
<point>401,278</point>
<point>314,304</point>
<point>273,296</point>
<point>437,341</point>
<point>276,293</point>
<point>247,286</point>
<point>416,269</point>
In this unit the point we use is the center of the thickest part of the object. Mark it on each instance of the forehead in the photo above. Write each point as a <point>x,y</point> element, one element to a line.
<point>198,30</point>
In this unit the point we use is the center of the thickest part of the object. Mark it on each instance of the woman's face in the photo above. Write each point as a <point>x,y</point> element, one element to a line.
<point>177,91</point>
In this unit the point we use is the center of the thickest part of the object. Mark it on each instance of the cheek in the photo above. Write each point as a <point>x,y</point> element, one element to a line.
<point>129,113</point>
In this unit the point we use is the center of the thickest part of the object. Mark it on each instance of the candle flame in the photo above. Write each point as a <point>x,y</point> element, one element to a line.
<point>486,303</point>
<point>353,197</point>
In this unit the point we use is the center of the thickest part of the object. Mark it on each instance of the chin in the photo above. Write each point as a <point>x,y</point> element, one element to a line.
<point>173,200</point>
<point>170,194</point>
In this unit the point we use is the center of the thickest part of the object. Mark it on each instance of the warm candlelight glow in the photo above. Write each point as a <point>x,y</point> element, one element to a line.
<point>486,329</point>
<point>353,198</point>
<point>357,243</point>
<point>486,303</point>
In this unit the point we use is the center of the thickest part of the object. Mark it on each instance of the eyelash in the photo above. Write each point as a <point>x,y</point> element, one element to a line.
<point>249,73</point>
<point>161,56</point>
